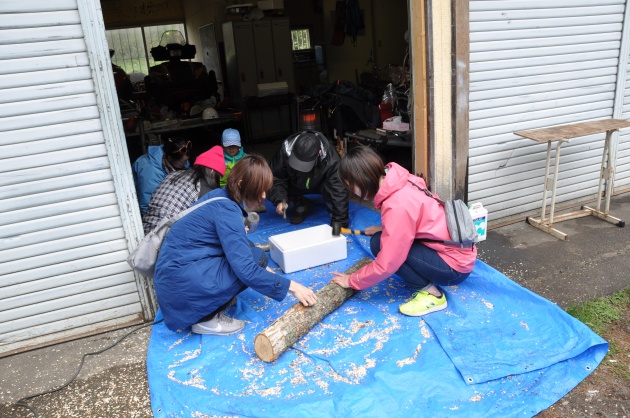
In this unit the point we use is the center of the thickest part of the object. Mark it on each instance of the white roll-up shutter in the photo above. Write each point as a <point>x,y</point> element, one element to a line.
<point>62,243</point>
<point>622,168</point>
<point>535,64</point>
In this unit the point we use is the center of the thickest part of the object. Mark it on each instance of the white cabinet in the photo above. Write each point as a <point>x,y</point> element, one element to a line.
<point>257,52</point>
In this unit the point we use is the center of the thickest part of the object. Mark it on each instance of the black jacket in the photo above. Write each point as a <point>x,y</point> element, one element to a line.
<point>323,179</point>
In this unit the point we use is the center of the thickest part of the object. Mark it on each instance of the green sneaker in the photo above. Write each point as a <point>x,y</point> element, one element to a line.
<point>423,303</point>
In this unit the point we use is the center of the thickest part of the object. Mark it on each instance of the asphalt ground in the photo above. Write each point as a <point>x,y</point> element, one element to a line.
<point>594,262</point>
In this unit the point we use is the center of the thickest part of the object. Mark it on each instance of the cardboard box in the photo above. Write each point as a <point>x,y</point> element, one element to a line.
<point>395,124</point>
<point>270,4</point>
<point>480,220</point>
<point>305,248</point>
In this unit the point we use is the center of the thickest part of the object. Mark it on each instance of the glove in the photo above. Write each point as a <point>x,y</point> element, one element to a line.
<point>336,228</point>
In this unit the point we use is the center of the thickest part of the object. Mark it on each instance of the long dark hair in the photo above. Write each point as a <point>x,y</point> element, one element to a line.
<point>249,179</point>
<point>362,168</point>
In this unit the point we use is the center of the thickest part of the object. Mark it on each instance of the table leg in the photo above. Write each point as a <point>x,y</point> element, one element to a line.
<point>610,171</point>
<point>542,223</point>
<point>545,184</point>
<point>602,174</point>
<point>608,175</point>
<point>555,181</point>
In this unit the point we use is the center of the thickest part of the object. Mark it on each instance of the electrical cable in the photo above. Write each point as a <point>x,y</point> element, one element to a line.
<point>21,401</point>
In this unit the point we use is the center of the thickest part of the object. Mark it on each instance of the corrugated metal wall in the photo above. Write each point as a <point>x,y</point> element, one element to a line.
<point>622,168</point>
<point>536,64</point>
<point>62,246</point>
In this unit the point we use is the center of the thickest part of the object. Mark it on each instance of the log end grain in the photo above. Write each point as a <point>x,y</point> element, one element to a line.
<point>264,348</point>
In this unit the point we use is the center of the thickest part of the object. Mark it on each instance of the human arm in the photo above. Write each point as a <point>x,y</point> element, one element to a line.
<point>334,192</point>
<point>371,230</point>
<point>237,251</point>
<point>302,293</point>
<point>146,178</point>
<point>341,279</point>
<point>398,234</point>
<point>279,189</point>
<point>281,208</point>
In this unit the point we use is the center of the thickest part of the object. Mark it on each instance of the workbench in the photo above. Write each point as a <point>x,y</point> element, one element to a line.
<point>374,137</point>
<point>170,126</point>
<point>562,134</point>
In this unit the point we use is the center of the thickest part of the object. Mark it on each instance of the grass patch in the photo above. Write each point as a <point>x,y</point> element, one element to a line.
<point>600,312</point>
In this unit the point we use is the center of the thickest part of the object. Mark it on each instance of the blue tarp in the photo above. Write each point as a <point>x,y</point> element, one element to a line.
<point>497,350</point>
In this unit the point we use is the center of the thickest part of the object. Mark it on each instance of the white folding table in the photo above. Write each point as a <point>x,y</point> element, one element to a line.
<point>563,133</point>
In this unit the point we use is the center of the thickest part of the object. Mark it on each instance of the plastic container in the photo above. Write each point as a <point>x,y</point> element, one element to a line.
<point>305,248</point>
<point>480,220</point>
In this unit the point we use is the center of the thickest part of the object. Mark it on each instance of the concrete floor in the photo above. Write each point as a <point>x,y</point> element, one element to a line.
<point>593,262</point>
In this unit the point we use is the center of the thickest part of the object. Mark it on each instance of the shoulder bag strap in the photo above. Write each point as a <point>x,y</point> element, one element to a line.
<point>428,193</point>
<point>183,213</point>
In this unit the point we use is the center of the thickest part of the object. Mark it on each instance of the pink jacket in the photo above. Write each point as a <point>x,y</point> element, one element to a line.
<point>406,214</point>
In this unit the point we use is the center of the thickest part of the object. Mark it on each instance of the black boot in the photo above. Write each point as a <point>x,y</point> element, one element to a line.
<point>302,209</point>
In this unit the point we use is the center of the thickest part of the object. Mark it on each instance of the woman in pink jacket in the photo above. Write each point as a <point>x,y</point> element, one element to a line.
<point>408,216</point>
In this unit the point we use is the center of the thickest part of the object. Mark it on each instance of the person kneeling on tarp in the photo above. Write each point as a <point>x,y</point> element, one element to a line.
<point>306,163</point>
<point>206,259</point>
<point>408,216</point>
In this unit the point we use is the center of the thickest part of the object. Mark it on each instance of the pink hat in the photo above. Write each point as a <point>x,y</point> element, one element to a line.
<point>213,158</point>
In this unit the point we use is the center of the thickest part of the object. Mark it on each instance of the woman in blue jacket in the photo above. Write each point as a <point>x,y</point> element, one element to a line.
<point>206,259</point>
<point>150,169</point>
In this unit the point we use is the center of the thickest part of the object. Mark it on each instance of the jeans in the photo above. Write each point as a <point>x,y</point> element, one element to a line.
<point>423,267</point>
<point>261,259</point>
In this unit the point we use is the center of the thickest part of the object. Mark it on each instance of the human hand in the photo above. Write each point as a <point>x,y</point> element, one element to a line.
<point>341,279</point>
<point>371,230</point>
<point>281,209</point>
<point>303,293</point>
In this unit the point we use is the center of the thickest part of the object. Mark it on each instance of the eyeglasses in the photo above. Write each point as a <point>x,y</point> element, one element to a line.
<point>185,148</point>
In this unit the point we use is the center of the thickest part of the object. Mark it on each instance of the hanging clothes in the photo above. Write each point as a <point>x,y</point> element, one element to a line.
<point>355,20</point>
<point>339,34</point>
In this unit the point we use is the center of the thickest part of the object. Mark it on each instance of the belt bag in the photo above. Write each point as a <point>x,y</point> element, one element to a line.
<point>143,258</point>
<point>458,221</point>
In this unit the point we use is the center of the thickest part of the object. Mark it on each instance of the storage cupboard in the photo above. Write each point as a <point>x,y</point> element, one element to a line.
<point>257,52</point>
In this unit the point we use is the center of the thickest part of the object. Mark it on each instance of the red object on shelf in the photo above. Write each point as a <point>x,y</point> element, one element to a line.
<point>386,111</point>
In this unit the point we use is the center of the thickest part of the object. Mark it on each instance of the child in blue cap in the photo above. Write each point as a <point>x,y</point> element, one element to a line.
<point>232,151</point>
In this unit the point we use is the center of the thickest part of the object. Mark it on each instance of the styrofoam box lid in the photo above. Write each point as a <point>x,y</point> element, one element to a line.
<point>302,238</point>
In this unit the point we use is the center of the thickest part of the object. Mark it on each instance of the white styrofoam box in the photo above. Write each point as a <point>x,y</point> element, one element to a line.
<point>480,219</point>
<point>308,247</point>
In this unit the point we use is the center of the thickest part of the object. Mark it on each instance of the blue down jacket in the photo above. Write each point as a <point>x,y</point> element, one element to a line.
<point>204,261</point>
<point>148,173</point>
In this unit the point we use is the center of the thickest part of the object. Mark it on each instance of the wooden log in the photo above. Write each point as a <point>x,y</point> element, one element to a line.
<point>298,319</point>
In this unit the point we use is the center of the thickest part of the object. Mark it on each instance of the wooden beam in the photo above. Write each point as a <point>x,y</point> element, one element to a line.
<point>298,320</point>
<point>460,91</point>
<point>418,95</point>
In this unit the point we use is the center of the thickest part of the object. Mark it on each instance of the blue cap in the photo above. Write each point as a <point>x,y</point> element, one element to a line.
<point>231,137</point>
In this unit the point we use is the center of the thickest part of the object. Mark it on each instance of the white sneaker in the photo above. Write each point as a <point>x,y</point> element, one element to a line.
<point>219,325</point>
